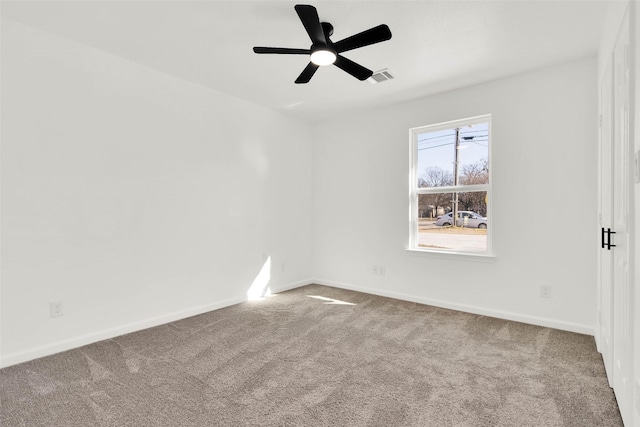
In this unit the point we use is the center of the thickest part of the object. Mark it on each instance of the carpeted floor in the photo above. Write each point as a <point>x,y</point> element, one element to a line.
<point>301,359</point>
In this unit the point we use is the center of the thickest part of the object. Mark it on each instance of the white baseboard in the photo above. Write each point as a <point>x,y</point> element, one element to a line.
<point>533,320</point>
<point>75,342</point>
<point>79,341</point>
<point>286,287</point>
<point>71,343</point>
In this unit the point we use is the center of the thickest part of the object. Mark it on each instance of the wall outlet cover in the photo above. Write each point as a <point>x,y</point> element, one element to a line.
<point>545,291</point>
<point>55,309</point>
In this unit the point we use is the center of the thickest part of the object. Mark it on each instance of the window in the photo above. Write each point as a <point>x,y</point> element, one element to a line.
<point>450,178</point>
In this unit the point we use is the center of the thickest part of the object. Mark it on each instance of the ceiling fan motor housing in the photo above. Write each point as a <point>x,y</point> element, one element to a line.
<point>328,29</point>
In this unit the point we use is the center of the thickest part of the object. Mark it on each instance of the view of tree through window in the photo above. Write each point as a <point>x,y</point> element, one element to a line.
<point>451,186</point>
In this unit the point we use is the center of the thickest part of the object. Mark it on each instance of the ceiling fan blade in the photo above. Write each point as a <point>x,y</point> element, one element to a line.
<point>356,70</point>
<point>281,50</point>
<point>307,73</point>
<point>372,35</point>
<point>309,17</point>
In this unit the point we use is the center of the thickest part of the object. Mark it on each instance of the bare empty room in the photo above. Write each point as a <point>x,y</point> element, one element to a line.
<point>338,213</point>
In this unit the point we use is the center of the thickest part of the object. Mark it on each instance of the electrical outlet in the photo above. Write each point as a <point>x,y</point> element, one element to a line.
<point>55,309</point>
<point>374,270</point>
<point>282,269</point>
<point>545,291</point>
<point>382,270</point>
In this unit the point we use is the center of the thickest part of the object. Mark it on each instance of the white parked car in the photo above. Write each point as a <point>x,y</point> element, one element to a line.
<point>465,219</point>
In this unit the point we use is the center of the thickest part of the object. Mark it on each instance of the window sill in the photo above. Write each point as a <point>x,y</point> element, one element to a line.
<point>467,256</point>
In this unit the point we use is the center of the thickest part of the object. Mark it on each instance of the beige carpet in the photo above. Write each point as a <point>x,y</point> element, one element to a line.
<point>299,360</point>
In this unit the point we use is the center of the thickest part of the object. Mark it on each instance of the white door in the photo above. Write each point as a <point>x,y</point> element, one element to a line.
<point>622,341</point>
<point>614,294</point>
<point>605,277</point>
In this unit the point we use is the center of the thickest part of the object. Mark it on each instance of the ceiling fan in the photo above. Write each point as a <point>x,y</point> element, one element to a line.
<point>323,51</point>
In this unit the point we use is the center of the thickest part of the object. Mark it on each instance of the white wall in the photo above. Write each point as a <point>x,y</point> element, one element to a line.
<point>635,134</point>
<point>544,198</point>
<point>135,197</point>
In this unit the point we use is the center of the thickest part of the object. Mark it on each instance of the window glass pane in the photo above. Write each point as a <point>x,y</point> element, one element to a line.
<point>436,229</point>
<point>436,152</point>
<point>473,154</point>
<point>473,201</point>
<point>434,205</point>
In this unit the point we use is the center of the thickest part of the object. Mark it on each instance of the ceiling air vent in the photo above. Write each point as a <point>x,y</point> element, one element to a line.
<point>380,76</point>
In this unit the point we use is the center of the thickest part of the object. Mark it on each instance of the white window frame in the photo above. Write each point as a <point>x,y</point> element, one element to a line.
<point>414,190</point>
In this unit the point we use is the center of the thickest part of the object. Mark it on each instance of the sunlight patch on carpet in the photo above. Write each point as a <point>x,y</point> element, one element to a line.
<point>331,300</point>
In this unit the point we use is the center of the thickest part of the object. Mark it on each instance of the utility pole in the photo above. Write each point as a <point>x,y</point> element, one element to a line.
<point>455,179</point>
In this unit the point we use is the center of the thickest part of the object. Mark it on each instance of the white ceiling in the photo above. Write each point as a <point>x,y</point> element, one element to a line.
<point>436,45</point>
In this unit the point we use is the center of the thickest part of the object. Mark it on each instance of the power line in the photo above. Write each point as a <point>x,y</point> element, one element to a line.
<point>436,146</point>
<point>477,139</point>
<point>436,137</point>
<point>447,135</point>
<point>468,138</point>
<point>451,143</point>
<point>473,131</point>
<point>433,142</point>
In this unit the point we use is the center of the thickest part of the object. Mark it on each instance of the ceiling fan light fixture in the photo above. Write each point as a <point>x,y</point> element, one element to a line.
<point>323,57</point>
